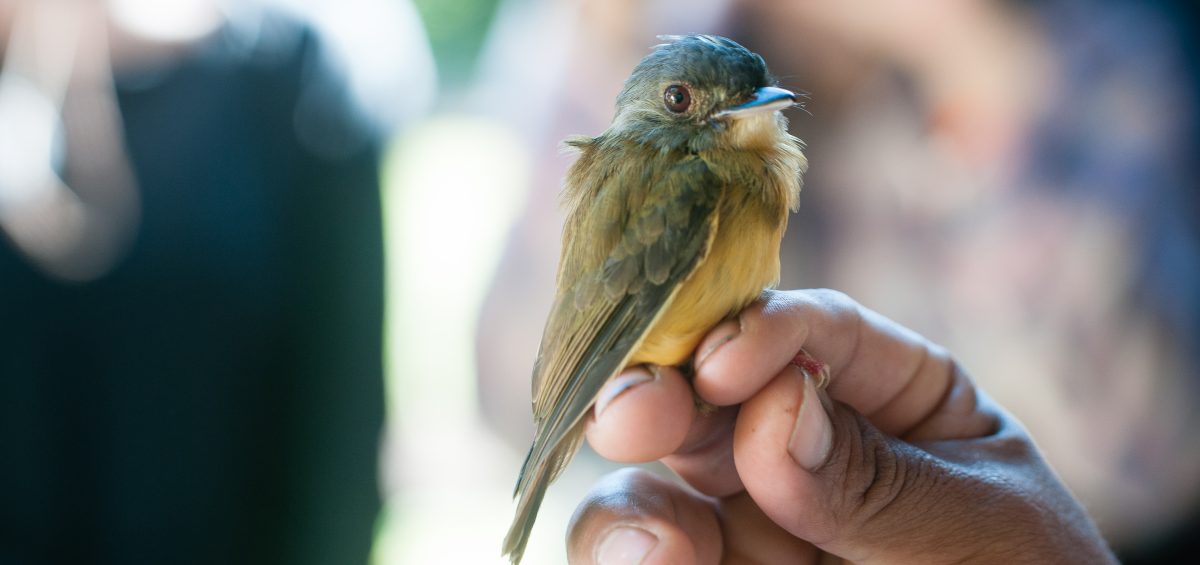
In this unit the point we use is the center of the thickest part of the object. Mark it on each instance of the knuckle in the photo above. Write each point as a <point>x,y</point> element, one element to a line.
<point>629,495</point>
<point>875,475</point>
<point>883,482</point>
<point>833,300</point>
<point>614,496</point>
<point>841,310</point>
<point>833,308</point>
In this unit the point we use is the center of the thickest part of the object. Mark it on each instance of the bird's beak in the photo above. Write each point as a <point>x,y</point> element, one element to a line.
<point>766,99</point>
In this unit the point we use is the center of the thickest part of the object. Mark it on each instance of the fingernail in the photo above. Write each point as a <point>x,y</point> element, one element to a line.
<point>620,384</point>
<point>812,437</point>
<point>726,331</point>
<point>625,545</point>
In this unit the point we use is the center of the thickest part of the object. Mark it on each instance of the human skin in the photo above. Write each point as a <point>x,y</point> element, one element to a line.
<point>901,459</point>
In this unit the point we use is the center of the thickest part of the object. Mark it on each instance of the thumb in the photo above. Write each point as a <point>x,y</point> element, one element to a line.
<point>826,475</point>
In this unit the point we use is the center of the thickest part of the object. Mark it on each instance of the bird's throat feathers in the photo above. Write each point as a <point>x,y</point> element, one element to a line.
<point>739,152</point>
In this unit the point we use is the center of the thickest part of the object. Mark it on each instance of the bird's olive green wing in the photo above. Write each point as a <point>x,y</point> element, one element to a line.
<point>606,308</point>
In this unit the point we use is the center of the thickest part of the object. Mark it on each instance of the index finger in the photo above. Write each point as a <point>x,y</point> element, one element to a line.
<point>888,373</point>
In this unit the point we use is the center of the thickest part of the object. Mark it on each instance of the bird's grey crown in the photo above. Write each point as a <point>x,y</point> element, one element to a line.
<point>705,62</point>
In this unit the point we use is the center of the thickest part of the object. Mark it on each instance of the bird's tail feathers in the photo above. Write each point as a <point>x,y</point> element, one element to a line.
<point>536,476</point>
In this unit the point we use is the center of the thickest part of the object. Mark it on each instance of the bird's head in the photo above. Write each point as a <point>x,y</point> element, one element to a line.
<point>700,92</point>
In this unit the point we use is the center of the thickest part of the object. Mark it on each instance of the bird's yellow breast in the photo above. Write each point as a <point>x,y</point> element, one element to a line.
<point>743,258</point>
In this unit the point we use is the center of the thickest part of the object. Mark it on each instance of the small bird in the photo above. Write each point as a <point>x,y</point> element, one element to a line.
<point>675,216</point>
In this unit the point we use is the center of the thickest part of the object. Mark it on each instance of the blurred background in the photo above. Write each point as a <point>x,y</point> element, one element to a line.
<point>273,273</point>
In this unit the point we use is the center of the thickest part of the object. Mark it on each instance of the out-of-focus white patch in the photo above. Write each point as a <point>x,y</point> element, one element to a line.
<point>166,20</point>
<point>454,187</point>
<point>26,140</point>
<point>385,53</point>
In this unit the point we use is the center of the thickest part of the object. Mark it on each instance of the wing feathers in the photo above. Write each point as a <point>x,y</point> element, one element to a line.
<point>605,312</point>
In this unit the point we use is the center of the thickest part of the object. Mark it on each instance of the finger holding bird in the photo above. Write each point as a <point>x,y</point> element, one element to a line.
<point>675,216</point>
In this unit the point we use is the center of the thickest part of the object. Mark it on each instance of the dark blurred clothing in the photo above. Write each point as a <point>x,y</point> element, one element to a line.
<point>218,397</point>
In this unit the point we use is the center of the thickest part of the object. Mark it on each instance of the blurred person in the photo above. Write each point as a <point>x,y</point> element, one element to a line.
<point>191,290</point>
<point>1013,180</point>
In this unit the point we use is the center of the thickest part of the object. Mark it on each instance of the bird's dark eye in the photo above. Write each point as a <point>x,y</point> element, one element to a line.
<point>677,98</point>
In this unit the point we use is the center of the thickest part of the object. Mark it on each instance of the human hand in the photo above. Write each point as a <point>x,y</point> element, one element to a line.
<point>902,459</point>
